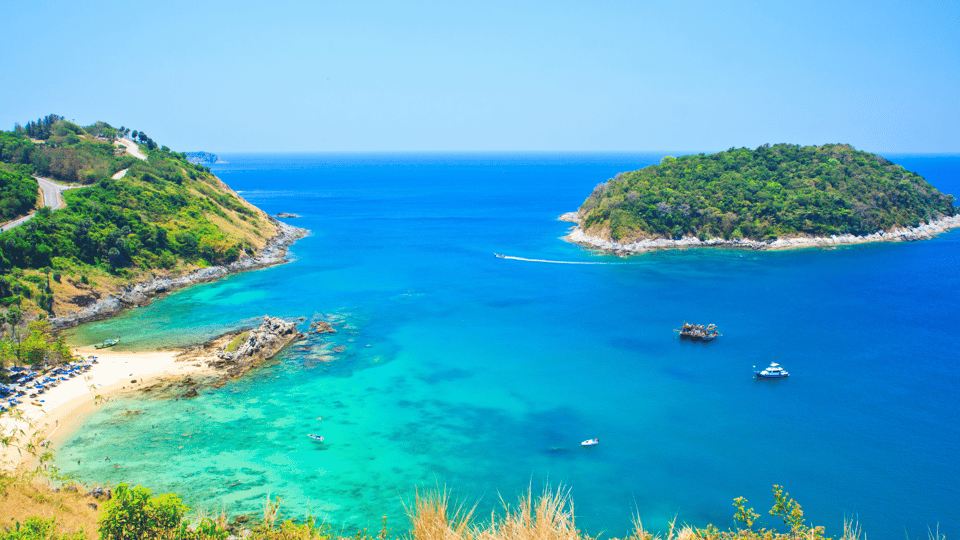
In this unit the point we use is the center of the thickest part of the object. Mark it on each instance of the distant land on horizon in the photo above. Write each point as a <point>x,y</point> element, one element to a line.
<point>670,152</point>
<point>203,158</point>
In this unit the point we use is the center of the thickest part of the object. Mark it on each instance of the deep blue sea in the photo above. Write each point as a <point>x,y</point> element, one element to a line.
<point>454,368</point>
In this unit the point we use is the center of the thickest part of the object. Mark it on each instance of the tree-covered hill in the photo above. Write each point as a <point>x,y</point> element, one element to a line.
<point>774,191</point>
<point>164,214</point>
<point>18,191</point>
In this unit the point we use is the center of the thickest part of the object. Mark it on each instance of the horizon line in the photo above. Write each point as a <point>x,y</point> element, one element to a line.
<point>677,152</point>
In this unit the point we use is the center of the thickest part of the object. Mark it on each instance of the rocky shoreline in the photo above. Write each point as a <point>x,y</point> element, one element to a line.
<point>222,359</point>
<point>921,232</point>
<point>274,252</point>
<point>261,344</point>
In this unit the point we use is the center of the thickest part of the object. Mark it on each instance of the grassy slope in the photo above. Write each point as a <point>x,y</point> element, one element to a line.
<point>21,498</point>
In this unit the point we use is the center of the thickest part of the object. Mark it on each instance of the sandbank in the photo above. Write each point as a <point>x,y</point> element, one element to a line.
<point>65,406</point>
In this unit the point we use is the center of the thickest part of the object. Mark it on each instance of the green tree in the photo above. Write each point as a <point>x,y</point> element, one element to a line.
<point>135,514</point>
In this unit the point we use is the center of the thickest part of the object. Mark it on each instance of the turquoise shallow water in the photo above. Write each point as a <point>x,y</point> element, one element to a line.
<point>483,374</point>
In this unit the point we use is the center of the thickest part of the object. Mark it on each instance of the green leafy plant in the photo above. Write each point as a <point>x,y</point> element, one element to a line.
<point>745,516</point>
<point>37,528</point>
<point>235,342</point>
<point>136,514</point>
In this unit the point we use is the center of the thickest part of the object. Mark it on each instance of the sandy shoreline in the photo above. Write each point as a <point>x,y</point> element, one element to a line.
<point>921,232</point>
<point>116,372</point>
<point>65,406</point>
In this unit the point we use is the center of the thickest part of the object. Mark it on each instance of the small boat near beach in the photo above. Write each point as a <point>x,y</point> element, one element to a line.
<point>315,437</point>
<point>107,343</point>
<point>772,372</point>
<point>590,442</point>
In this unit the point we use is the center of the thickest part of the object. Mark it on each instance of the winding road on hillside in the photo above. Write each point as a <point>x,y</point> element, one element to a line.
<point>133,150</point>
<point>51,198</point>
<point>51,190</point>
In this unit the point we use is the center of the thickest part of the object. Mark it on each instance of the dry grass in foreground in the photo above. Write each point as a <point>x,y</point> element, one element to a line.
<point>550,517</point>
<point>137,514</point>
<point>22,496</point>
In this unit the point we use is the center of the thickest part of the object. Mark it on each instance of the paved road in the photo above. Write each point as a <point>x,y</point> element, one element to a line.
<point>51,197</point>
<point>51,190</point>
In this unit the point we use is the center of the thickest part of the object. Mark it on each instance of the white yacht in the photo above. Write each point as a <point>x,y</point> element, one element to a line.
<point>772,372</point>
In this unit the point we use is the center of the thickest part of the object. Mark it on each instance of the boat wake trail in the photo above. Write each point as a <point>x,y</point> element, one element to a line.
<point>551,262</point>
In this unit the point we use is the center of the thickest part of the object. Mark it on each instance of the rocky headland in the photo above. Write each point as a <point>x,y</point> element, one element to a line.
<point>228,356</point>
<point>274,252</point>
<point>261,344</point>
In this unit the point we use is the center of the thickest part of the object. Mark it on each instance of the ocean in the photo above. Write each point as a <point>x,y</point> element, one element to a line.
<point>454,369</point>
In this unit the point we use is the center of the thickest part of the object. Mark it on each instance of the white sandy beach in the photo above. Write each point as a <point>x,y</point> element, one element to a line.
<point>71,400</point>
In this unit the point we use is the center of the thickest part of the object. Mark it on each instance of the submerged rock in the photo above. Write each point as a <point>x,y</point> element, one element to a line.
<point>322,327</point>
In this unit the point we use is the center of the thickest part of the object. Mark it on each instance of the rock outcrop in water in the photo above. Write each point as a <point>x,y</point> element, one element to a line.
<point>261,344</point>
<point>221,365</point>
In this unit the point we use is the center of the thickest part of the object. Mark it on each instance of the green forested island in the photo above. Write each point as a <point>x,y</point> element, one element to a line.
<point>134,209</point>
<point>772,192</point>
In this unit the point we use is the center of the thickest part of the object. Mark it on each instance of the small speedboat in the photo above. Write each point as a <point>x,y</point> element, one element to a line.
<point>315,437</point>
<point>772,372</point>
<point>590,442</point>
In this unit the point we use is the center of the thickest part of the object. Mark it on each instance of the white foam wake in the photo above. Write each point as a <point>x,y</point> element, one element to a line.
<point>551,262</point>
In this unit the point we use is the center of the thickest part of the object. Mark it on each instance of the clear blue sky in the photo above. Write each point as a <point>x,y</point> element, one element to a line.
<point>491,75</point>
